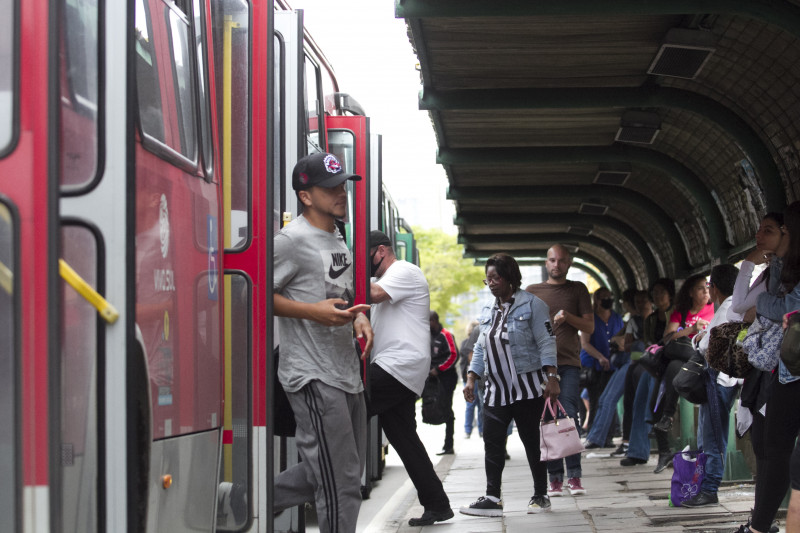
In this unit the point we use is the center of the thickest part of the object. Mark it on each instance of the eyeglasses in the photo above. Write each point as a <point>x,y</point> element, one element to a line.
<point>492,281</point>
<point>709,284</point>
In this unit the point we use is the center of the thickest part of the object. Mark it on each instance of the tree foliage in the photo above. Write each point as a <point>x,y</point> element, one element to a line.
<point>448,272</point>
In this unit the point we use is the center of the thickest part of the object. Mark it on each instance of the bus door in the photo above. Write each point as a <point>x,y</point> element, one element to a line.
<point>28,266</point>
<point>96,322</point>
<point>178,294</point>
<point>359,151</point>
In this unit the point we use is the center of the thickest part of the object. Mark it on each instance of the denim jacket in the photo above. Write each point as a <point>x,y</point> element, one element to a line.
<point>530,335</point>
<point>776,302</point>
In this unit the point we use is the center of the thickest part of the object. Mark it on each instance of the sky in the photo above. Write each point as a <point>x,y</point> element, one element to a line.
<point>375,64</point>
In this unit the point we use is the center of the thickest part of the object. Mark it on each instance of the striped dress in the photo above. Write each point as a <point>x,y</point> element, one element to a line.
<point>503,385</point>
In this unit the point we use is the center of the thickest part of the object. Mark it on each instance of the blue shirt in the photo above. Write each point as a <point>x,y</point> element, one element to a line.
<point>602,334</point>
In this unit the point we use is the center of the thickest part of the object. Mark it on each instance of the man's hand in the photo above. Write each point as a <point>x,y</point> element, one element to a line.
<point>363,330</point>
<point>327,314</point>
<point>469,388</point>
<point>434,372</point>
<point>559,318</point>
<point>604,363</point>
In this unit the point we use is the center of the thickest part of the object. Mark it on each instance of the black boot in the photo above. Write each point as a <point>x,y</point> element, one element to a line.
<point>664,461</point>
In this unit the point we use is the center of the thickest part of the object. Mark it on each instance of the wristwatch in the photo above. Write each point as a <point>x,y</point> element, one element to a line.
<point>554,375</point>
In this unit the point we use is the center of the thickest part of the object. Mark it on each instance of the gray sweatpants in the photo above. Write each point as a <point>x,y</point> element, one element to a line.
<point>332,440</point>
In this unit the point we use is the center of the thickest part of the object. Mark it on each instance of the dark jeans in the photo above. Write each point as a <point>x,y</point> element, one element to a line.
<point>527,414</point>
<point>668,403</point>
<point>449,379</point>
<point>394,403</point>
<point>781,426</point>
<point>595,391</point>
<point>570,397</point>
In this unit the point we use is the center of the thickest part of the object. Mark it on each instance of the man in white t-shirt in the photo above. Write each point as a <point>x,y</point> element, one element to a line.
<point>399,366</point>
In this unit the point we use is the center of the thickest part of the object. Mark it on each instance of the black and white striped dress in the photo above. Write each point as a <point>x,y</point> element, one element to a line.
<point>503,385</point>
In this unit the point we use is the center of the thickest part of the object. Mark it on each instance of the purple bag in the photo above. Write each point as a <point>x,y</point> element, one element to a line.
<point>689,470</point>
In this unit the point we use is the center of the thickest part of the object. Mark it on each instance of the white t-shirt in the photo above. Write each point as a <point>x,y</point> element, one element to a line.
<point>402,343</point>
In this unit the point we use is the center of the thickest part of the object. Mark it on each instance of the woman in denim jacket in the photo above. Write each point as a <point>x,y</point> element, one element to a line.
<point>515,355</point>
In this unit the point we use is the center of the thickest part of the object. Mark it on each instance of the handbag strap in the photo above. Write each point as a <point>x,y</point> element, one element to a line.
<point>554,409</point>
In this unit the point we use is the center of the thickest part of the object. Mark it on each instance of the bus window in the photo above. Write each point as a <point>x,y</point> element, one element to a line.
<point>9,445</point>
<point>202,88</point>
<point>313,107</point>
<point>235,483</point>
<point>169,123</point>
<point>79,88</point>
<point>80,396</point>
<point>7,78</point>
<point>231,20</point>
<point>342,144</point>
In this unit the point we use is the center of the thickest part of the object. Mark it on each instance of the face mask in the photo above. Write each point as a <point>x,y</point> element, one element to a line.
<point>374,268</point>
<point>607,303</point>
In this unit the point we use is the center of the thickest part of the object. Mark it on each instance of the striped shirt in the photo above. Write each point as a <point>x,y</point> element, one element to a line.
<point>503,385</point>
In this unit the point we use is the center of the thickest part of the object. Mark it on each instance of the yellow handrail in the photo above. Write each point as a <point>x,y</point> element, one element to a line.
<point>106,310</point>
<point>6,279</point>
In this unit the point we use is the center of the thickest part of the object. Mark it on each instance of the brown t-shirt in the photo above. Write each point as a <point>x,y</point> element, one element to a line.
<point>572,297</point>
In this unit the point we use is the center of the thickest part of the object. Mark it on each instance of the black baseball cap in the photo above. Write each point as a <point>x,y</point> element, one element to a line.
<point>378,238</point>
<point>319,170</point>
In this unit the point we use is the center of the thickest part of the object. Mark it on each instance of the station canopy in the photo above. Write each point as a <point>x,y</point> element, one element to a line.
<point>650,137</point>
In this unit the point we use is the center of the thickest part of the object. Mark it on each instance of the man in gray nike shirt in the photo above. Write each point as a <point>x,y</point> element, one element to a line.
<point>319,366</point>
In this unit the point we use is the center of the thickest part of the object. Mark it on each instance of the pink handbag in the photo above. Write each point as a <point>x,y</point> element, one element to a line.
<point>559,437</point>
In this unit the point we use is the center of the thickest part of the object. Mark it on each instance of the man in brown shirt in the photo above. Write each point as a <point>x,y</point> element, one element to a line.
<point>570,311</point>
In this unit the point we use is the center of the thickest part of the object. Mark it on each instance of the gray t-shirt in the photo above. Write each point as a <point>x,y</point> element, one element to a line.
<point>313,265</point>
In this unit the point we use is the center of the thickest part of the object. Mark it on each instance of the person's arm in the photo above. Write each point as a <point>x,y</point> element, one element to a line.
<point>377,294</point>
<point>744,296</point>
<point>546,343</point>
<point>584,323</point>
<point>591,350</point>
<point>453,353</point>
<point>323,312</point>
<point>476,369</point>
<point>363,330</point>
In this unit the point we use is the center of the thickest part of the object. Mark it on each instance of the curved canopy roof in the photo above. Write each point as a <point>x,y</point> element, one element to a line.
<point>652,136</point>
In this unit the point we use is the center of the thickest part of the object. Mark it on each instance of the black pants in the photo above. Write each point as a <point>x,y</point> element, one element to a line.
<point>526,414</point>
<point>394,404</point>
<point>449,379</point>
<point>632,378</point>
<point>595,391</point>
<point>781,426</point>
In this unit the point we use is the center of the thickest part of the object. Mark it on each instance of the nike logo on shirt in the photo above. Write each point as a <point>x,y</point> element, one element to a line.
<point>337,272</point>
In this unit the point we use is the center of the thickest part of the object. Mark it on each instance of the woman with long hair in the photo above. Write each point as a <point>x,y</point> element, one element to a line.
<point>782,420</point>
<point>515,356</point>
<point>693,312</point>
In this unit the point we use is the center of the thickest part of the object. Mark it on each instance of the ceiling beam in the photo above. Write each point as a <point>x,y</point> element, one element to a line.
<point>779,13</point>
<point>627,232</point>
<point>616,153</point>
<point>545,241</point>
<point>752,145</point>
<point>607,194</point>
<point>600,270</point>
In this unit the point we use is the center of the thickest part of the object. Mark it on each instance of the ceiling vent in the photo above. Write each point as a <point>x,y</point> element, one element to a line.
<point>612,173</point>
<point>583,231</point>
<point>588,208</point>
<point>683,53</point>
<point>638,127</point>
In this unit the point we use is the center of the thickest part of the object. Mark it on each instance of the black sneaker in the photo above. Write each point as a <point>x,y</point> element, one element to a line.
<point>664,425</point>
<point>429,517</point>
<point>591,445</point>
<point>446,451</point>
<point>483,507</point>
<point>632,461</point>
<point>539,504</point>
<point>702,499</point>
<point>621,451</point>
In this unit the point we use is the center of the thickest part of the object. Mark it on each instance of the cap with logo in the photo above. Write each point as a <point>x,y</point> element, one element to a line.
<point>319,170</point>
<point>378,238</point>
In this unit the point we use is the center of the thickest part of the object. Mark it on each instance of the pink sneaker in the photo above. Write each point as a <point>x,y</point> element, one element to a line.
<point>574,486</point>
<point>555,489</point>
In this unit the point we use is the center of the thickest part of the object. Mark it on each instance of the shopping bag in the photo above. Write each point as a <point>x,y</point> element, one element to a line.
<point>689,470</point>
<point>559,437</point>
